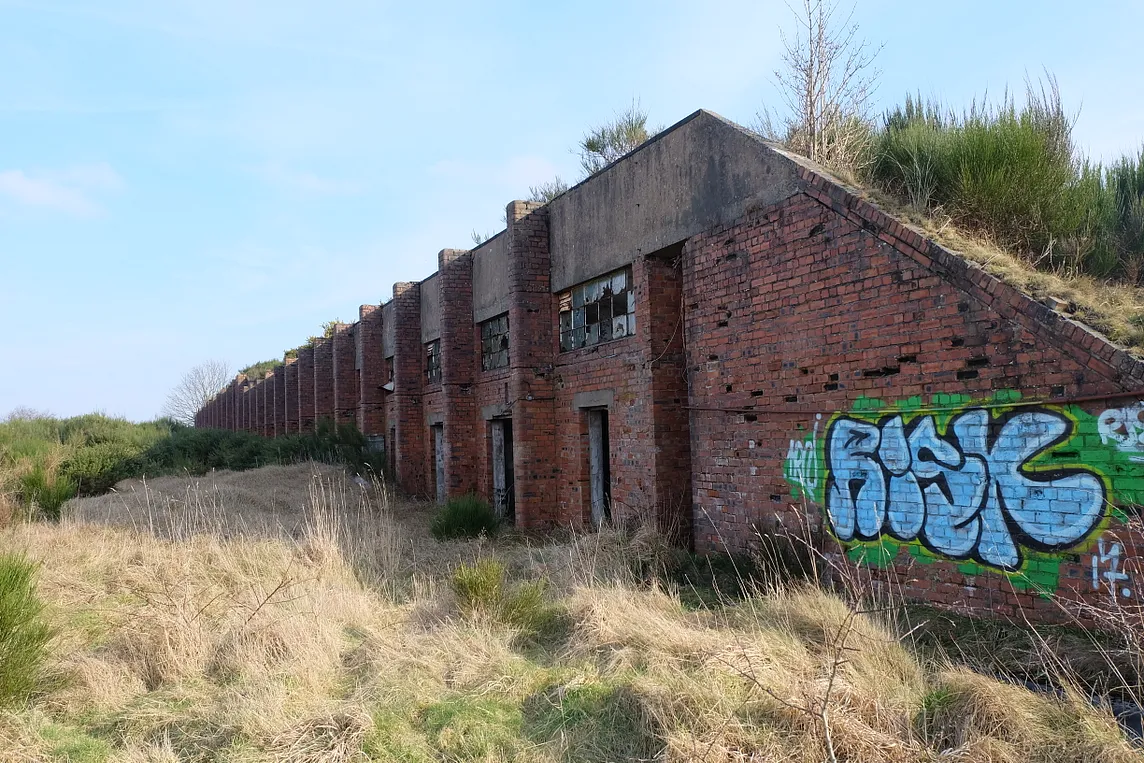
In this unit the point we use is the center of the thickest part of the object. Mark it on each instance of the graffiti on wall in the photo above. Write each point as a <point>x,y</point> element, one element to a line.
<point>1003,486</point>
<point>1124,428</point>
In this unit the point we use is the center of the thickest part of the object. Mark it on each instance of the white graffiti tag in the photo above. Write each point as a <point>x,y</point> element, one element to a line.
<point>802,461</point>
<point>967,494</point>
<point>1114,577</point>
<point>1124,428</point>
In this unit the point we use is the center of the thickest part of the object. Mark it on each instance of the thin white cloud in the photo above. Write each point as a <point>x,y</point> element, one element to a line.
<point>70,190</point>
<point>290,179</point>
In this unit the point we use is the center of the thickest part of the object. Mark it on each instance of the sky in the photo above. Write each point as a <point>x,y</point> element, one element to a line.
<point>185,180</point>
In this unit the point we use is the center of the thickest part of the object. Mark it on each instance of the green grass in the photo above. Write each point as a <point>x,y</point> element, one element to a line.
<point>466,516</point>
<point>24,634</point>
<point>483,589</point>
<point>1012,174</point>
<point>44,461</point>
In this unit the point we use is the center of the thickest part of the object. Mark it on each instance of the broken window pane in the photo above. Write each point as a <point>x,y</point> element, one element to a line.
<point>494,343</point>
<point>597,311</point>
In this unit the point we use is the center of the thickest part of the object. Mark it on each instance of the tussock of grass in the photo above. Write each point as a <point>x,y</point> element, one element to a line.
<point>212,629</point>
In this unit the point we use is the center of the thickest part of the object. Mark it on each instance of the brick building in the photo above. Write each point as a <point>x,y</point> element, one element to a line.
<point>715,336</point>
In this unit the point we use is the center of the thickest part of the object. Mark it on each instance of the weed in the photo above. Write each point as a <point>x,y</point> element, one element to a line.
<point>24,635</point>
<point>467,516</point>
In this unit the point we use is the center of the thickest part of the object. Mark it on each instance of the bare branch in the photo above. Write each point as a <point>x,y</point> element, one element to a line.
<point>195,389</point>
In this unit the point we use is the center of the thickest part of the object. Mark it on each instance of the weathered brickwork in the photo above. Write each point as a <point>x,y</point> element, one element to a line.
<point>305,389</point>
<point>345,379</point>
<point>370,363</point>
<point>799,363</point>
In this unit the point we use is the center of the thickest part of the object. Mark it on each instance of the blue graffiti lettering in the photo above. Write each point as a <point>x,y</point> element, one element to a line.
<point>967,494</point>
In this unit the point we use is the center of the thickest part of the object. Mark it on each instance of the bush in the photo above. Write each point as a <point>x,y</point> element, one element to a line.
<point>44,489</point>
<point>24,636</point>
<point>482,589</point>
<point>96,468</point>
<point>465,517</point>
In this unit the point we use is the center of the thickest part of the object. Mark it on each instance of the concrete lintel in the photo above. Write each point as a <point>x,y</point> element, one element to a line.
<point>433,419</point>
<point>601,398</point>
<point>495,411</point>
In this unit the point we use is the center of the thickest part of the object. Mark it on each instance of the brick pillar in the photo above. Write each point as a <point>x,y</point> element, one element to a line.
<point>290,395</point>
<point>660,330</point>
<point>371,371</point>
<point>455,281</point>
<point>245,396</point>
<point>306,389</point>
<point>409,381</point>
<point>345,374</point>
<point>278,399</point>
<point>531,354</point>
<point>323,380</point>
<point>262,406</point>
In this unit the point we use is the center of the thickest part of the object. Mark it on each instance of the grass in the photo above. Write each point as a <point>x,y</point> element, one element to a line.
<point>467,516</point>
<point>1004,185</point>
<point>24,635</point>
<point>44,461</point>
<point>287,613</point>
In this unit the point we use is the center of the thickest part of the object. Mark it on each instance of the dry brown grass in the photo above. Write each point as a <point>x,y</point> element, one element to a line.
<point>288,614</point>
<point>1114,309</point>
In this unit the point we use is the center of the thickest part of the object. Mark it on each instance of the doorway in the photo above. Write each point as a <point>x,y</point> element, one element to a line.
<point>599,466</point>
<point>504,501</point>
<point>438,431</point>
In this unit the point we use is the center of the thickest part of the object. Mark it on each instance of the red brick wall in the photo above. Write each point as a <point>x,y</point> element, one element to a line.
<point>458,411</point>
<point>345,374</point>
<point>324,379</point>
<point>305,389</point>
<point>531,322</point>
<point>371,371</point>
<point>817,312</point>
<point>290,394</point>
<point>409,384</point>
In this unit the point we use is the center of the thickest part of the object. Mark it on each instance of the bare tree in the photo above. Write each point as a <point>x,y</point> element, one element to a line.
<point>608,142</point>
<point>195,389</point>
<point>827,81</point>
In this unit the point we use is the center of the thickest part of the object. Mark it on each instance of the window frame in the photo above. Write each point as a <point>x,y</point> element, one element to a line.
<point>489,338</point>
<point>433,362</point>
<point>588,311</point>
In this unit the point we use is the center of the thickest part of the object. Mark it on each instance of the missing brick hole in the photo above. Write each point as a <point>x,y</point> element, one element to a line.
<point>959,342</point>
<point>721,324</point>
<point>732,256</point>
<point>729,241</point>
<point>819,228</point>
<point>966,375</point>
<point>963,307</point>
<point>804,371</point>
<point>870,227</point>
<point>834,377</point>
<point>907,358</point>
<point>876,373</point>
<point>1069,454</point>
<point>1057,390</point>
<point>712,357</point>
<point>748,417</point>
<point>756,393</point>
<point>776,498</point>
<point>791,398</point>
<point>830,387</point>
<point>978,362</point>
<point>728,388</point>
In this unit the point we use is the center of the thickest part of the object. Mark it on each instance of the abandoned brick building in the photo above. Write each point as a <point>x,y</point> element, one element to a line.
<point>716,334</point>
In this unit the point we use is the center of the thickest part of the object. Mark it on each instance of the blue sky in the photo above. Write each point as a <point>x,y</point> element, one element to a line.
<point>183,180</point>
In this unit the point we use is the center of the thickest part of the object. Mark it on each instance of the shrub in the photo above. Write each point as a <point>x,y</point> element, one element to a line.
<point>96,468</point>
<point>482,589</point>
<point>45,489</point>
<point>465,517</point>
<point>24,636</point>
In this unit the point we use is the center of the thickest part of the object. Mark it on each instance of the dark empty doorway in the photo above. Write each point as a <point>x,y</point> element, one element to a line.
<point>599,466</point>
<point>503,484</point>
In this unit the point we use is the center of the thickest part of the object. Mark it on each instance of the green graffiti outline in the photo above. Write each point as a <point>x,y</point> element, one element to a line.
<point>1039,570</point>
